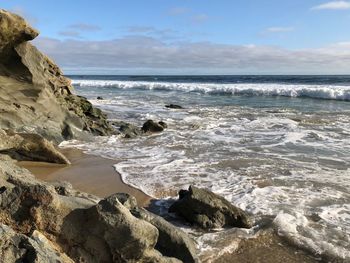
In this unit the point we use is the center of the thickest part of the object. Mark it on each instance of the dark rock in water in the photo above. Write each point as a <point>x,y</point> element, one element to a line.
<point>163,124</point>
<point>152,127</point>
<point>100,98</point>
<point>172,241</point>
<point>208,210</point>
<point>129,130</point>
<point>173,106</point>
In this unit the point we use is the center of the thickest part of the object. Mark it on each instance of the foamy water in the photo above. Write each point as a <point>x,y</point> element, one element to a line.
<point>275,157</point>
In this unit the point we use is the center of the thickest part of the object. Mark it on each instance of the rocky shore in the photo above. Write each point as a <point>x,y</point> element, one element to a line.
<point>53,222</point>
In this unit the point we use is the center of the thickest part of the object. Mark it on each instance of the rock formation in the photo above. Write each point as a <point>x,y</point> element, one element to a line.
<point>34,94</point>
<point>208,210</point>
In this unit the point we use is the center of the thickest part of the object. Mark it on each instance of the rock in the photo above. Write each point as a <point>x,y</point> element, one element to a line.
<point>152,127</point>
<point>115,235</point>
<point>72,222</point>
<point>34,93</point>
<point>129,130</point>
<point>32,147</point>
<point>127,200</point>
<point>16,247</point>
<point>173,106</point>
<point>208,210</point>
<point>172,241</point>
<point>163,124</point>
<point>99,98</point>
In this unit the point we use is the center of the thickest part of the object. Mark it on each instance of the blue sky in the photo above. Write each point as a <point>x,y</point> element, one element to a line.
<point>192,36</point>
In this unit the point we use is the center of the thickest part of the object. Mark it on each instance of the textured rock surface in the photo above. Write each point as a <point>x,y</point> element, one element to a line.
<point>34,94</point>
<point>208,210</point>
<point>69,222</point>
<point>172,241</point>
<point>32,147</point>
<point>16,247</point>
<point>180,244</point>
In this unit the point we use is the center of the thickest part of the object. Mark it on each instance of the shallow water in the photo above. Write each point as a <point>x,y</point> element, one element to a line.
<point>276,149</point>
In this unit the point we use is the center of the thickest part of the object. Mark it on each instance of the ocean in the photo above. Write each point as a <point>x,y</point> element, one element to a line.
<point>276,146</point>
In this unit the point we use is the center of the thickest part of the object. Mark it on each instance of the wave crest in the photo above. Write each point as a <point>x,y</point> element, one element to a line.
<point>329,92</point>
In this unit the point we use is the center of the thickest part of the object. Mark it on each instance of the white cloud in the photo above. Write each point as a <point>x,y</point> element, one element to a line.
<point>142,54</point>
<point>279,29</point>
<point>333,5</point>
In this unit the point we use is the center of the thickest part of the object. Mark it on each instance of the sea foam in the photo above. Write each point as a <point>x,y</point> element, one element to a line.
<point>331,92</point>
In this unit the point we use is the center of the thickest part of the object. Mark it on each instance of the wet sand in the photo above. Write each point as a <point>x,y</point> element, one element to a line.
<point>88,173</point>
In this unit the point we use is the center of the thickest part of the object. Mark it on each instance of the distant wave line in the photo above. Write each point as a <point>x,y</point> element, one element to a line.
<point>329,92</point>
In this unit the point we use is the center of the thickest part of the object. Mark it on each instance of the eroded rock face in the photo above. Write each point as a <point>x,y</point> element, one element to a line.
<point>208,210</point>
<point>31,147</point>
<point>34,94</point>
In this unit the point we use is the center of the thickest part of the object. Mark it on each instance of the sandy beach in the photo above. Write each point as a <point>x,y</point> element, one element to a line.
<point>87,173</point>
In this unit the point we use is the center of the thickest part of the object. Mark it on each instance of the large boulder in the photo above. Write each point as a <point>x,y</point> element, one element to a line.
<point>28,146</point>
<point>34,93</point>
<point>208,210</point>
<point>115,235</point>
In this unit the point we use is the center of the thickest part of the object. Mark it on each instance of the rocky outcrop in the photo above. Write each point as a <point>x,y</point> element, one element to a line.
<point>34,94</point>
<point>151,126</point>
<point>208,210</point>
<point>40,222</point>
<point>182,246</point>
<point>31,147</point>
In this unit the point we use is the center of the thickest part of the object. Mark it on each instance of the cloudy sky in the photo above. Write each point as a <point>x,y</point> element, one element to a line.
<point>192,36</point>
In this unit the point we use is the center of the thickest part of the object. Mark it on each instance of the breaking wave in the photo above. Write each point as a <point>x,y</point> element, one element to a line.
<point>330,92</point>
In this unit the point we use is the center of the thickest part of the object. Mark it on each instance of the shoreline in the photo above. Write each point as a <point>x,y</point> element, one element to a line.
<point>87,173</point>
<point>96,175</point>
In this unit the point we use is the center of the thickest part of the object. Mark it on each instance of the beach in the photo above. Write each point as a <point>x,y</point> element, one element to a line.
<point>96,175</point>
<point>88,173</point>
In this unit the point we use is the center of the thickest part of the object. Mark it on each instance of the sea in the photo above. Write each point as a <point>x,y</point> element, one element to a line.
<point>275,146</point>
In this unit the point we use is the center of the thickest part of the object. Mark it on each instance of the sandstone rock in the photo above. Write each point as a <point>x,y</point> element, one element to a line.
<point>152,127</point>
<point>16,247</point>
<point>208,210</point>
<point>32,147</point>
<point>34,94</point>
<point>115,235</point>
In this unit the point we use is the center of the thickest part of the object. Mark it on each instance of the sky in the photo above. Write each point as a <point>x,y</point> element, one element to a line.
<point>191,36</point>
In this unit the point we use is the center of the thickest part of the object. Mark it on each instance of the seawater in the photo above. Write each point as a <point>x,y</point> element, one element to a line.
<point>276,146</point>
